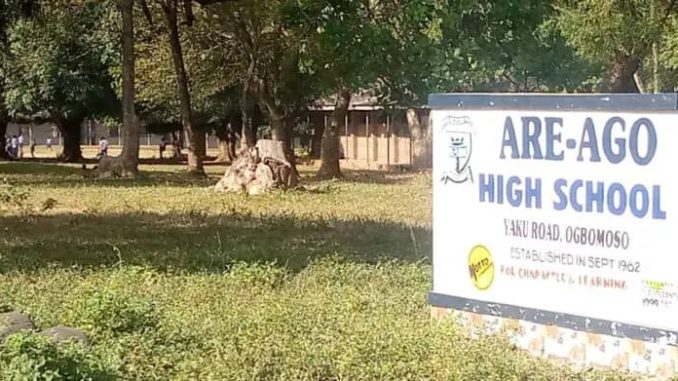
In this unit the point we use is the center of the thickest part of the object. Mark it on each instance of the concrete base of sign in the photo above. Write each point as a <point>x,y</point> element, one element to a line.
<point>578,348</point>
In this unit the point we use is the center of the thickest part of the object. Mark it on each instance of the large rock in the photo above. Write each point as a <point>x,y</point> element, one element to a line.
<point>241,172</point>
<point>263,180</point>
<point>65,334</point>
<point>258,169</point>
<point>14,322</point>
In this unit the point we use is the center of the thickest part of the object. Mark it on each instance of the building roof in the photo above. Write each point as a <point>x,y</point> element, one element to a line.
<point>362,100</point>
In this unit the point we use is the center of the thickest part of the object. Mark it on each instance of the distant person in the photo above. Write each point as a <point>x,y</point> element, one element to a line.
<point>20,146</point>
<point>48,143</point>
<point>163,146</point>
<point>33,148</point>
<point>103,147</point>
<point>14,146</point>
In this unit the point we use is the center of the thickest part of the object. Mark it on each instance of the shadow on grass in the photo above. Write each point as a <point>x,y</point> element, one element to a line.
<point>207,160</point>
<point>37,168</point>
<point>56,175</point>
<point>379,177</point>
<point>196,242</point>
<point>362,176</point>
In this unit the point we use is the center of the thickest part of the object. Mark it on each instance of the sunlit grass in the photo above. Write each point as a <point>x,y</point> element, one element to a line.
<point>174,281</point>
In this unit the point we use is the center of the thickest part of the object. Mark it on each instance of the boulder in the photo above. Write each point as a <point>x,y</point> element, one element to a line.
<point>64,334</point>
<point>14,322</point>
<point>259,169</point>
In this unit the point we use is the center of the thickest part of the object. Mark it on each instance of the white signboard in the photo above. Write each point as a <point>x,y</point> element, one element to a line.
<point>569,212</point>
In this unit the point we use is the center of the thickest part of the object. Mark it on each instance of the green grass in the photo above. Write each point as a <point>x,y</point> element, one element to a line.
<point>172,281</point>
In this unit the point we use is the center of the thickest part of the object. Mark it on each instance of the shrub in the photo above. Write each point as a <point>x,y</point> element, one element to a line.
<point>13,197</point>
<point>25,357</point>
<point>112,311</point>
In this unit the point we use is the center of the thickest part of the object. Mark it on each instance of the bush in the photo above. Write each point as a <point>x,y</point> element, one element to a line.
<point>25,357</point>
<point>111,311</point>
<point>13,197</point>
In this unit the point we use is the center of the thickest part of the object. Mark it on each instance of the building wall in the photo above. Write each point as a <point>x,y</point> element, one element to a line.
<point>90,133</point>
<point>371,138</point>
<point>39,132</point>
<point>368,138</point>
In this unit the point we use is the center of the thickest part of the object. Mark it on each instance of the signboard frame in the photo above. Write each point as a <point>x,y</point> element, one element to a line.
<point>620,103</point>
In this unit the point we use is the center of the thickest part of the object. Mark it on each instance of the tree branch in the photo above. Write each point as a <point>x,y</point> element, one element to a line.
<point>208,2</point>
<point>645,44</point>
<point>669,9</point>
<point>512,81</point>
<point>188,10</point>
<point>147,12</point>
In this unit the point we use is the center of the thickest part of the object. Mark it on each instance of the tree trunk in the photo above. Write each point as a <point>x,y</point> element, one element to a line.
<point>639,82</point>
<point>248,138</point>
<point>130,125</point>
<point>329,156</point>
<point>232,149</point>
<point>622,74</point>
<point>176,145</point>
<point>281,130</point>
<point>224,153</point>
<point>317,140</point>
<point>201,143</point>
<point>196,140</point>
<point>278,130</point>
<point>258,119</point>
<point>233,131</point>
<point>3,132</point>
<point>421,157</point>
<point>70,131</point>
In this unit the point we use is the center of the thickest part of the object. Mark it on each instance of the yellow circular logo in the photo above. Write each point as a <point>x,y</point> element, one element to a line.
<point>481,267</point>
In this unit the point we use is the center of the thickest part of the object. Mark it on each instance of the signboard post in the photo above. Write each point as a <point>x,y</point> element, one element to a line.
<point>553,218</point>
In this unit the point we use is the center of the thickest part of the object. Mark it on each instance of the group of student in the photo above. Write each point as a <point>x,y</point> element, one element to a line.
<point>14,146</point>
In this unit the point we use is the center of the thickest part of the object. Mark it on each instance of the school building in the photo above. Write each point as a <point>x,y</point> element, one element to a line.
<point>370,138</point>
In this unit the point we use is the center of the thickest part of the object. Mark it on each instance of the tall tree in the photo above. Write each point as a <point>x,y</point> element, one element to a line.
<point>266,53</point>
<point>130,149</point>
<point>176,13</point>
<point>10,11</point>
<point>418,63</point>
<point>213,86</point>
<point>196,139</point>
<point>344,49</point>
<point>617,34</point>
<point>54,69</point>
<point>487,45</point>
<point>513,44</point>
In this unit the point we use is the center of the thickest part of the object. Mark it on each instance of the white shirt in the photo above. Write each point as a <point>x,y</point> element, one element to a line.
<point>103,144</point>
<point>14,142</point>
<point>21,139</point>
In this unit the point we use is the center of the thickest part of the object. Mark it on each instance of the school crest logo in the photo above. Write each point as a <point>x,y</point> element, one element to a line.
<point>457,133</point>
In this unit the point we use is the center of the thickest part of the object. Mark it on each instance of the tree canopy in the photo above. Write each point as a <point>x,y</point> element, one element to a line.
<point>209,64</point>
<point>56,67</point>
